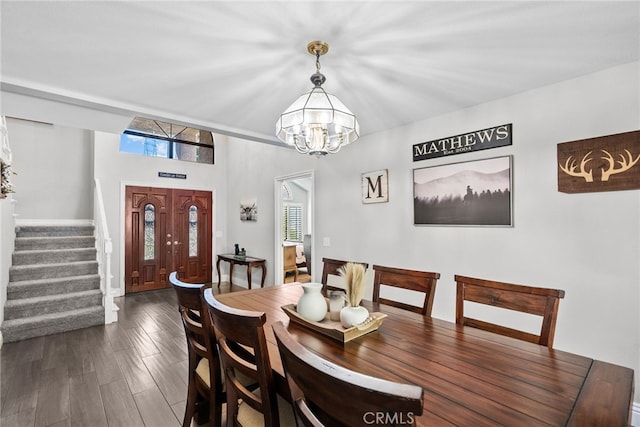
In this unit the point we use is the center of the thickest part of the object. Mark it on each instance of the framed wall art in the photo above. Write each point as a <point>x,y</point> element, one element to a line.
<point>375,187</point>
<point>249,210</point>
<point>475,193</point>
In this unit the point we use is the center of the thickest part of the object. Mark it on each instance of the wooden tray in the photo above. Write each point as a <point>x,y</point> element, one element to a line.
<point>334,329</point>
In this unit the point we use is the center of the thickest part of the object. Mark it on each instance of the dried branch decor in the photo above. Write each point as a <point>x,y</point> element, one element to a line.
<point>353,274</point>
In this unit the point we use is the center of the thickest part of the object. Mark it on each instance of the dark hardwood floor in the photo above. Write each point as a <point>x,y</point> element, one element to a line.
<point>130,373</point>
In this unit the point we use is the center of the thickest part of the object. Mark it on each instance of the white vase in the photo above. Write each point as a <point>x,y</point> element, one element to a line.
<point>312,305</point>
<point>350,316</point>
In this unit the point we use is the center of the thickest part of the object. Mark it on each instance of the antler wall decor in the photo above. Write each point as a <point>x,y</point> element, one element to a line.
<point>624,164</point>
<point>616,168</point>
<point>581,173</point>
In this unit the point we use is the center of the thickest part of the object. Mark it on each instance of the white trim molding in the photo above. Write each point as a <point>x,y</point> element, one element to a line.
<point>635,414</point>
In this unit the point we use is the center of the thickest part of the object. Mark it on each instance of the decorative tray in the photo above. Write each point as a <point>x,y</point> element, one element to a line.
<point>334,329</point>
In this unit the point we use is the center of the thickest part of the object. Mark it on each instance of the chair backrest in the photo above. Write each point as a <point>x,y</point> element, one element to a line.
<point>324,393</point>
<point>306,245</point>
<point>419,281</point>
<point>289,257</point>
<point>331,267</point>
<point>243,351</point>
<point>527,299</point>
<point>199,334</point>
<point>190,307</point>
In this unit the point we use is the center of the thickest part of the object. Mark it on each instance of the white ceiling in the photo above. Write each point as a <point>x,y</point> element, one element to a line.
<point>234,66</point>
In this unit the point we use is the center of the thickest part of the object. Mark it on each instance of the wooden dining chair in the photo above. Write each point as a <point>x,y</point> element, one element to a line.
<point>205,376</point>
<point>326,394</point>
<point>423,282</point>
<point>527,299</point>
<point>243,352</point>
<point>331,267</point>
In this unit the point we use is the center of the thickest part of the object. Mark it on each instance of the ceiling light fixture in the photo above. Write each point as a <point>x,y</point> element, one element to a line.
<point>317,123</point>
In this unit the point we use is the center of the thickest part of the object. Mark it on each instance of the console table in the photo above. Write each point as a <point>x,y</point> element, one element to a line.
<point>250,262</point>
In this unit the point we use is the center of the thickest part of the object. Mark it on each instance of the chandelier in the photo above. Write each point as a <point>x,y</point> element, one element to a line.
<point>317,123</point>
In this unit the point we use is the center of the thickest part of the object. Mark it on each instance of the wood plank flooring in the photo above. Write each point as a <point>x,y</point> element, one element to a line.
<point>302,278</point>
<point>130,373</point>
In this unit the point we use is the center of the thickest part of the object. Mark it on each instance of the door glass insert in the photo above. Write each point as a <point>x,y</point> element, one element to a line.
<point>149,232</point>
<point>193,231</point>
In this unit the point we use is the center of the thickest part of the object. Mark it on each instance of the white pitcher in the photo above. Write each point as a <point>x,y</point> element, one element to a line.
<point>312,305</point>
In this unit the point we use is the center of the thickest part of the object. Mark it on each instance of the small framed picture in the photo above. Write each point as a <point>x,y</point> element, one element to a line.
<point>475,193</point>
<point>249,210</point>
<point>375,187</point>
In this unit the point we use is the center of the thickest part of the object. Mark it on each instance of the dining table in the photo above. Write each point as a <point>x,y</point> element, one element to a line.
<point>469,377</point>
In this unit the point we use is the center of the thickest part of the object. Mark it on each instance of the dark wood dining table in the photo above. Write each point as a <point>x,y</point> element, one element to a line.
<point>469,377</point>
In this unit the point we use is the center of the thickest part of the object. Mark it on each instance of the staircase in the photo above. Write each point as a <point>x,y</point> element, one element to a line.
<point>54,284</point>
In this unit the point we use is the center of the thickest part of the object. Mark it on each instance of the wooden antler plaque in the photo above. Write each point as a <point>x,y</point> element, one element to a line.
<point>606,163</point>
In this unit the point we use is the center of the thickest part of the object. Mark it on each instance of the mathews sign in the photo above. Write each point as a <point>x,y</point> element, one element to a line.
<point>497,136</point>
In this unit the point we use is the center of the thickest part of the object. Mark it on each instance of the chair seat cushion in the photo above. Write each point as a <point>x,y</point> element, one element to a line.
<point>249,417</point>
<point>202,370</point>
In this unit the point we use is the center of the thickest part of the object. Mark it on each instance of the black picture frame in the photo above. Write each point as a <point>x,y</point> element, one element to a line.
<point>471,193</point>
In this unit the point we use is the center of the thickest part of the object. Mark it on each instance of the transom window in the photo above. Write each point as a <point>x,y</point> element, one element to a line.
<point>171,141</point>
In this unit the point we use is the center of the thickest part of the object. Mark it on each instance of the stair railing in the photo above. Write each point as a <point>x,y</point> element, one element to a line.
<point>104,248</point>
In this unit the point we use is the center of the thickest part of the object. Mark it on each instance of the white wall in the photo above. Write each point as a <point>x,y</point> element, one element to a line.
<point>301,196</point>
<point>116,170</point>
<point>587,244</point>
<point>253,168</point>
<point>54,166</point>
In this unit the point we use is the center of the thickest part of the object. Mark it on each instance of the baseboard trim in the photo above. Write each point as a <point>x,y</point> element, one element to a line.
<point>54,222</point>
<point>635,414</point>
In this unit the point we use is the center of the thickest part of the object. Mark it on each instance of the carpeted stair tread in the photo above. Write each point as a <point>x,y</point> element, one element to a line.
<point>54,242</point>
<point>39,305</point>
<point>19,329</point>
<point>53,281</point>
<point>61,315</point>
<point>48,299</point>
<point>54,264</point>
<point>19,273</point>
<point>58,230</point>
<point>53,256</point>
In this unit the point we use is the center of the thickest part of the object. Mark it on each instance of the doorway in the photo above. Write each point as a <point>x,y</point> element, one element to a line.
<point>294,221</point>
<point>166,230</point>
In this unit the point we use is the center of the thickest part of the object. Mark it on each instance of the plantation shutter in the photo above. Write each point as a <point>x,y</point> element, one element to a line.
<point>285,221</point>
<point>292,222</point>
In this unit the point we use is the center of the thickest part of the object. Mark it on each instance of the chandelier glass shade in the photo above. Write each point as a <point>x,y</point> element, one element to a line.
<point>317,123</point>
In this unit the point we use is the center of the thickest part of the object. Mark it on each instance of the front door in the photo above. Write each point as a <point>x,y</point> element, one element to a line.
<point>166,230</point>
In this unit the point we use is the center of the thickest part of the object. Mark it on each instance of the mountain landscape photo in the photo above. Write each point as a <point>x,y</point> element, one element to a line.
<point>456,184</point>
<point>459,194</point>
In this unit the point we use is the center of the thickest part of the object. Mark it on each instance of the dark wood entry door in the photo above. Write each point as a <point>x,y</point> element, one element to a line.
<point>166,230</point>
